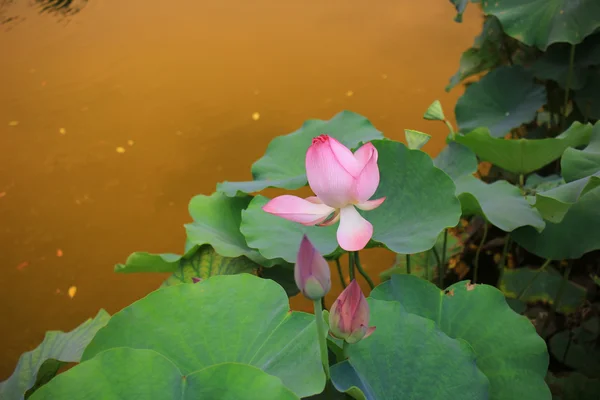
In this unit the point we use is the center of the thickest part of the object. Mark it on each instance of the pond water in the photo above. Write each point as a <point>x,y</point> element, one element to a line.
<point>113,118</point>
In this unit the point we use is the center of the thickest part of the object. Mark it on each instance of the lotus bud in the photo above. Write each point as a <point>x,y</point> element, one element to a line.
<point>311,272</point>
<point>349,315</point>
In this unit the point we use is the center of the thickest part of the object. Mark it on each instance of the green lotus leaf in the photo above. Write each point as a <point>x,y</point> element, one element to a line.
<point>534,286</point>
<point>283,165</point>
<point>419,196</point>
<point>543,22</point>
<point>577,164</point>
<point>40,365</point>
<point>554,63</point>
<point>124,373</point>
<point>554,204</point>
<point>575,235</point>
<point>482,56</point>
<point>574,386</point>
<point>434,112</point>
<point>523,156</point>
<point>460,6</point>
<point>500,202</point>
<point>376,368</point>
<point>578,349</point>
<point>502,100</point>
<point>415,139</point>
<point>507,348</point>
<point>206,262</point>
<point>224,319</point>
<point>588,98</point>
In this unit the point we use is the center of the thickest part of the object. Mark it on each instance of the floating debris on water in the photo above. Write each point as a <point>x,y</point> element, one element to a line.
<point>120,149</point>
<point>72,291</point>
<point>255,116</point>
<point>2,194</point>
<point>62,131</point>
<point>13,123</point>
<point>130,142</point>
<point>59,253</point>
<point>349,93</point>
<point>22,266</point>
<point>384,76</point>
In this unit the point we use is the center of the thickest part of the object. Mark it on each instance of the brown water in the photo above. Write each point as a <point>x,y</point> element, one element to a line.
<point>176,88</point>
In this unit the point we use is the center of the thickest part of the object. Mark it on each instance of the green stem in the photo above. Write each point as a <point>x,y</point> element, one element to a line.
<point>502,264</point>
<point>439,264</point>
<point>351,265</point>
<point>321,332</point>
<point>408,264</point>
<point>563,286</point>
<point>568,85</point>
<point>443,263</point>
<point>340,273</point>
<point>345,348</point>
<point>362,271</point>
<point>427,254</point>
<point>478,252</point>
<point>450,128</point>
<point>537,273</point>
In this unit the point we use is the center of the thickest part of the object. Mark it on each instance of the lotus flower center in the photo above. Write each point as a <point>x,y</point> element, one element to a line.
<point>320,139</point>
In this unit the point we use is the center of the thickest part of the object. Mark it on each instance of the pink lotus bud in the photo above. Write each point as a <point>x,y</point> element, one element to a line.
<point>349,315</point>
<point>196,279</point>
<point>311,272</point>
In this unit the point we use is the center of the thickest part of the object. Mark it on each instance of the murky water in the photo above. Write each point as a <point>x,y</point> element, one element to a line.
<point>110,121</point>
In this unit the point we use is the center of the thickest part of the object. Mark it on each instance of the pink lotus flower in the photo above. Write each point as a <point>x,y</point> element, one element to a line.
<point>311,273</point>
<point>349,315</point>
<point>342,181</point>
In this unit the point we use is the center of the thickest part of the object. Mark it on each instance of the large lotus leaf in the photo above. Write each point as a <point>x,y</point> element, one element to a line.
<point>228,318</point>
<point>578,349</point>
<point>588,98</point>
<point>41,364</point>
<point>420,201</point>
<point>523,156</point>
<point>217,221</point>
<point>554,63</point>
<point>507,348</point>
<point>125,373</point>
<point>543,22</point>
<point>574,386</point>
<point>277,237</point>
<point>403,357</point>
<point>576,164</point>
<point>484,55</point>
<point>283,165</point>
<point>500,203</point>
<point>456,160</point>
<point>542,286</point>
<point>554,204</point>
<point>575,235</point>
<point>502,100</point>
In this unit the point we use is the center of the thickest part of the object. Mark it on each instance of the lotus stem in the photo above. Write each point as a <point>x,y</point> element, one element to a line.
<point>408,264</point>
<point>321,332</point>
<point>439,264</point>
<point>340,273</point>
<point>427,254</point>
<point>568,85</point>
<point>345,349</point>
<point>443,263</point>
<point>537,273</point>
<point>362,271</point>
<point>502,265</point>
<point>478,252</point>
<point>563,286</point>
<point>351,265</point>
